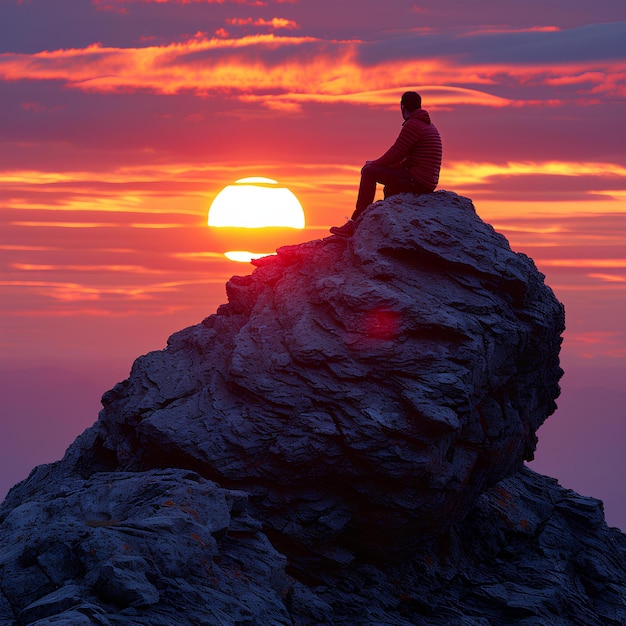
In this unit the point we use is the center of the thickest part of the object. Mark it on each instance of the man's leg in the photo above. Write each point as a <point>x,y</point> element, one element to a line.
<point>396,178</point>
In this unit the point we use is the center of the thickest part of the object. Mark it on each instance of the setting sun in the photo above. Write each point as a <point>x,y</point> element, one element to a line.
<point>256,202</point>
<point>260,206</point>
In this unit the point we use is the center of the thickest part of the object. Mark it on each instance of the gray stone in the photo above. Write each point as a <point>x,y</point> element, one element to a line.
<point>141,541</point>
<point>123,581</point>
<point>56,602</point>
<point>83,615</point>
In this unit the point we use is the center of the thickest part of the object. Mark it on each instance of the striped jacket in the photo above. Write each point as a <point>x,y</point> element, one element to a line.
<point>418,147</point>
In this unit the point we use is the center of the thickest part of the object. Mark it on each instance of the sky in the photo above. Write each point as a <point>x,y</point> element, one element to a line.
<point>122,120</point>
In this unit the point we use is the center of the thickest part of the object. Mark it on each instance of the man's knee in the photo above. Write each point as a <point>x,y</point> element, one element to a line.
<point>368,171</point>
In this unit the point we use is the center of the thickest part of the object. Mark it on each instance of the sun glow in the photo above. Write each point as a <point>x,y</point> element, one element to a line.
<point>243,256</point>
<point>256,202</point>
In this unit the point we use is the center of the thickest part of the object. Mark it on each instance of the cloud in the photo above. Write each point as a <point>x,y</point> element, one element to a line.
<point>109,299</point>
<point>592,344</point>
<point>438,97</point>
<point>126,269</point>
<point>176,195</point>
<point>489,30</point>
<point>609,278</point>
<point>504,47</point>
<point>461,173</point>
<point>38,107</point>
<point>275,23</point>
<point>287,71</point>
<point>591,57</point>
<point>119,5</point>
<point>586,263</point>
<point>592,42</point>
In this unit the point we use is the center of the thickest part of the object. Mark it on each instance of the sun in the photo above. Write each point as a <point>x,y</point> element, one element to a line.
<point>256,202</point>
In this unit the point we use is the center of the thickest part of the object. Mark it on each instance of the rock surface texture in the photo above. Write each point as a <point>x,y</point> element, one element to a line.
<point>342,443</point>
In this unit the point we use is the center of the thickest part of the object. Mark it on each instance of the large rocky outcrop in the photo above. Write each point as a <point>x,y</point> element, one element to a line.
<point>364,391</point>
<point>342,443</point>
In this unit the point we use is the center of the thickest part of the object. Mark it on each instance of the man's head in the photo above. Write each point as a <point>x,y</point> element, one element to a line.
<point>410,101</point>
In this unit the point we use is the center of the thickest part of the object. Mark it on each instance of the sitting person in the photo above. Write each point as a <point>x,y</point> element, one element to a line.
<point>412,164</point>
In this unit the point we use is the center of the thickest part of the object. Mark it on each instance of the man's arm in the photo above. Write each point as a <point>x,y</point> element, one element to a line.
<point>408,137</point>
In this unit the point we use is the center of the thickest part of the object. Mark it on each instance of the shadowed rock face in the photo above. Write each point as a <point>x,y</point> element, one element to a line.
<point>364,391</point>
<point>131,545</point>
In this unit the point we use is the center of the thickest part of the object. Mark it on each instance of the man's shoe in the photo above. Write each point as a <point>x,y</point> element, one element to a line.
<point>347,230</point>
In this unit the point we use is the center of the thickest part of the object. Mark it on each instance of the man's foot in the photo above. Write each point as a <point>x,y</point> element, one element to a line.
<point>347,230</point>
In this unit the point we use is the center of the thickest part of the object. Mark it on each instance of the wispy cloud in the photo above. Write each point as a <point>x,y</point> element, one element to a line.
<point>490,30</point>
<point>169,195</point>
<point>275,23</point>
<point>475,174</point>
<point>126,269</point>
<point>58,297</point>
<point>290,70</point>
<point>120,5</point>
<point>594,344</point>
<point>609,278</point>
<point>586,263</point>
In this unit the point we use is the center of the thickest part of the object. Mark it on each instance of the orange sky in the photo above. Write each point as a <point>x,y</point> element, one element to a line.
<point>122,119</point>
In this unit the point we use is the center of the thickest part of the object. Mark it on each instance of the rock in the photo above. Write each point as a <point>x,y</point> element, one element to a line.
<point>141,544</point>
<point>528,552</point>
<point>58,601</point>
<point>520,556</point>
<point>123,581</point>
<point>362,391</point>
<point>342,443</point>
<point>82,615</point>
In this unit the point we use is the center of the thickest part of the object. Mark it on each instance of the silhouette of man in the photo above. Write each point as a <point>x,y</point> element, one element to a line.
<point>412,164</point>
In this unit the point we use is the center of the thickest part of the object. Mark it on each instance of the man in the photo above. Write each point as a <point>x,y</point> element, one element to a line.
<point>412,164</point>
